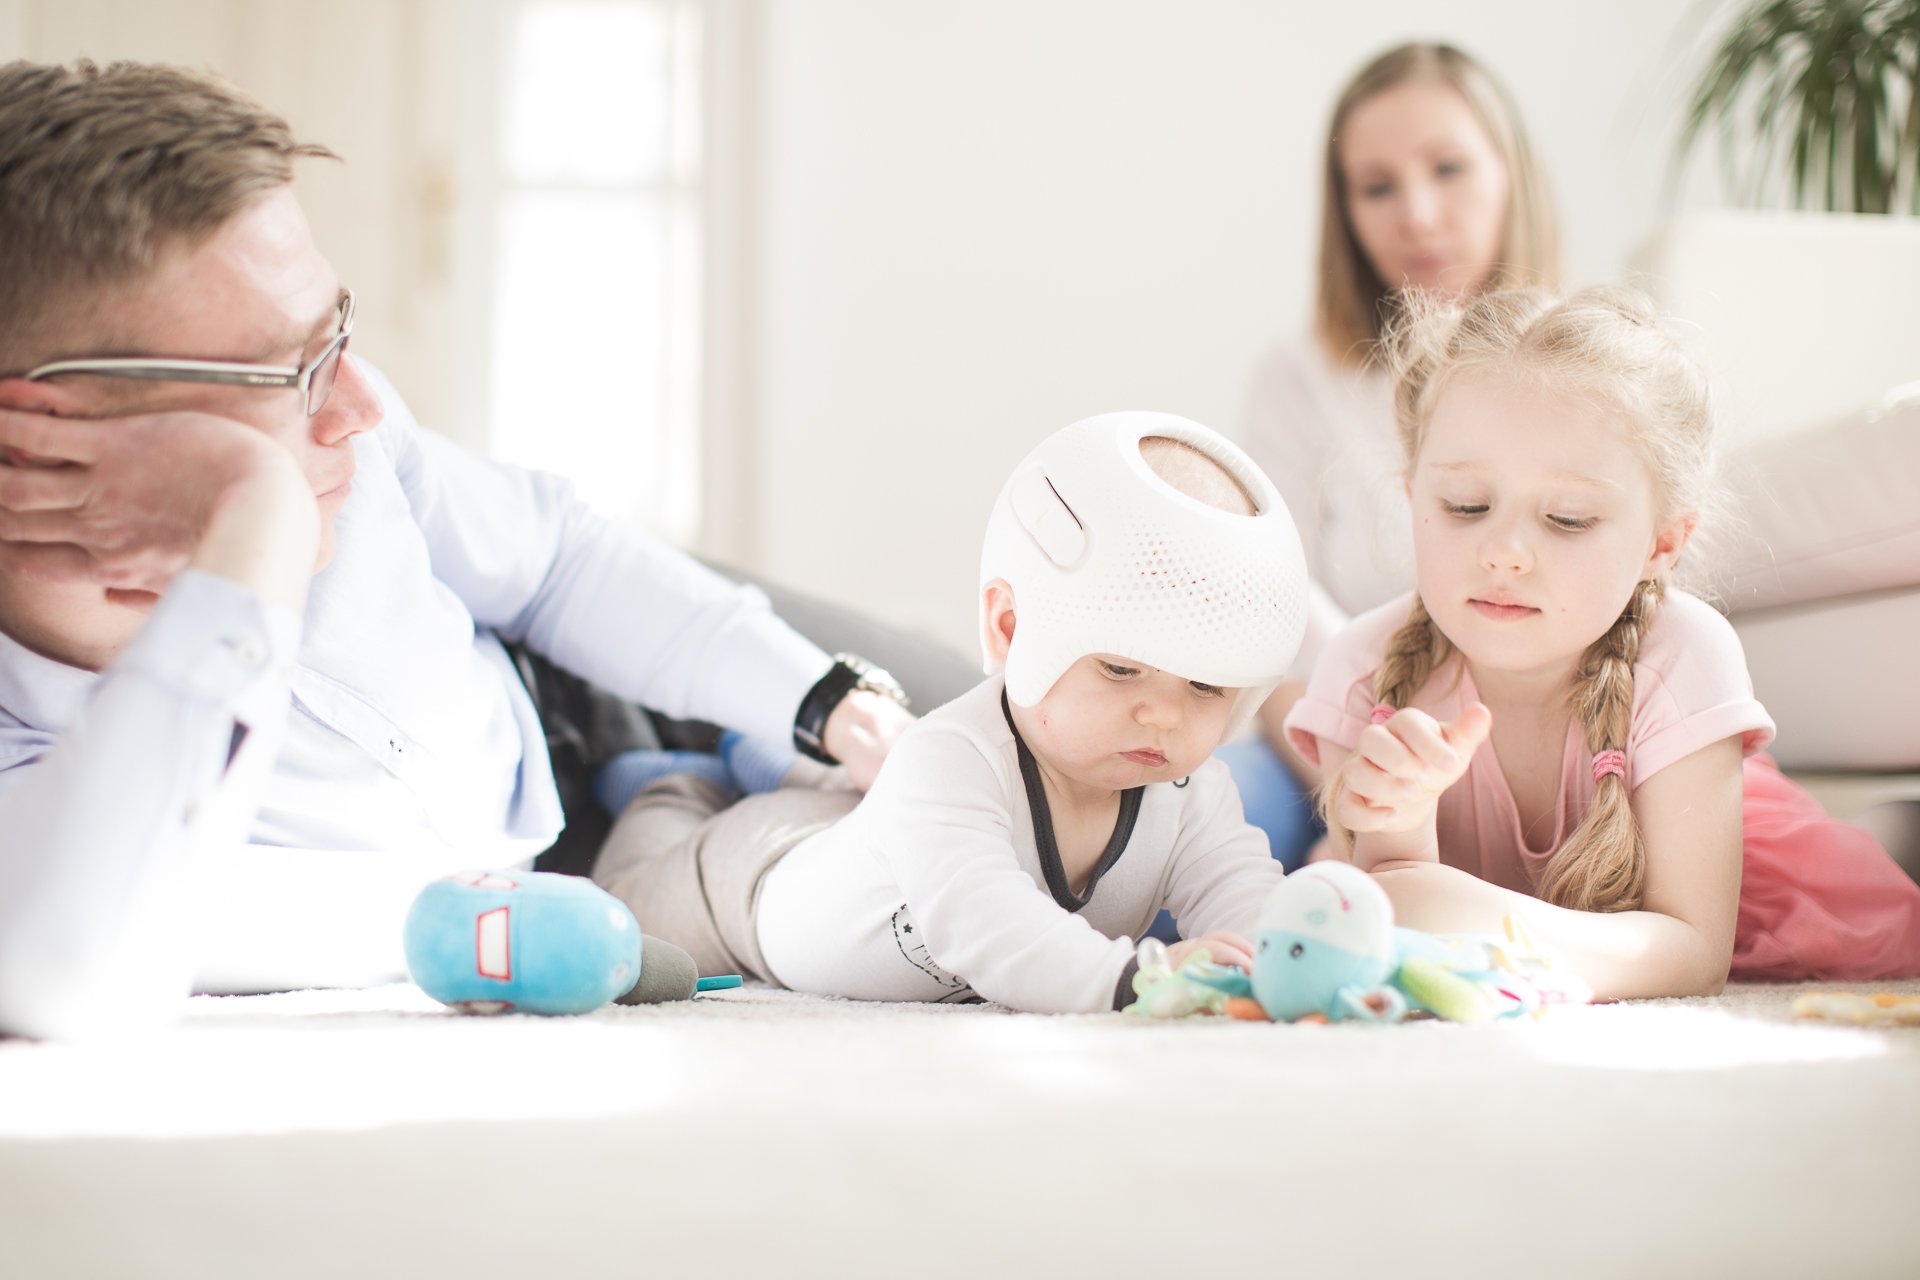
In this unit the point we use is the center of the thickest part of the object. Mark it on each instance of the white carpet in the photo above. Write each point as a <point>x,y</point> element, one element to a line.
<point>767,1134</point>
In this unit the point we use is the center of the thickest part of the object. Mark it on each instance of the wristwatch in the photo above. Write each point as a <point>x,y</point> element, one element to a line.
<point>847,674</point>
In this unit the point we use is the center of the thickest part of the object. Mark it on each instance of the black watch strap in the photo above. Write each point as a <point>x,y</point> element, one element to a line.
<point>847,674</point>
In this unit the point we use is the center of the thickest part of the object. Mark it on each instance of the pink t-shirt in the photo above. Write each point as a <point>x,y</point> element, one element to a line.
<point>1690,690</point>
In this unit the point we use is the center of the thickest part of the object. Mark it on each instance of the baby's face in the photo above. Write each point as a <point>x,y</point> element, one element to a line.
<point>1111,723</point>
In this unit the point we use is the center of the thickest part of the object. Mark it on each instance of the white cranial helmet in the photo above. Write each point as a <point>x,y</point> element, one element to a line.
<point>1104,556</point>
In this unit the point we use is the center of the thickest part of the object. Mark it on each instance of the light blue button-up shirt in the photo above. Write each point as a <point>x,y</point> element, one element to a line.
<point>382,740</point>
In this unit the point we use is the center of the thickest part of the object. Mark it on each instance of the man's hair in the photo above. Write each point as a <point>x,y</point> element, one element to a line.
<point>103,171</point>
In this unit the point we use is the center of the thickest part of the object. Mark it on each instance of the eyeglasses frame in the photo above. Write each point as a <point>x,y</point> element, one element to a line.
<point>223,372</point>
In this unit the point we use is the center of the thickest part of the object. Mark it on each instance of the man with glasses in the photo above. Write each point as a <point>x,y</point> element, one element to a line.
<point>253,684</point>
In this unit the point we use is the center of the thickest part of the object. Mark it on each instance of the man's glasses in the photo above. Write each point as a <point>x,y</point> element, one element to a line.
<point>313,379</point>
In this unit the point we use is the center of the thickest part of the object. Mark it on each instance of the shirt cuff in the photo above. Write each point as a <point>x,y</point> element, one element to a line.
<point>214,641</point>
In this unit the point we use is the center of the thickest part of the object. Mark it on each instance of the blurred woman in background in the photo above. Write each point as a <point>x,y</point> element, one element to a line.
<point>1430,185</point>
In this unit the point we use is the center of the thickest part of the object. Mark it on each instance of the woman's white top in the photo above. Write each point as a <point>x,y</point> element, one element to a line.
<point>1325,436</point>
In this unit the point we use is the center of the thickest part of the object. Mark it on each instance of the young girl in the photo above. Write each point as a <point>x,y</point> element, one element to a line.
<point>1548,729</point>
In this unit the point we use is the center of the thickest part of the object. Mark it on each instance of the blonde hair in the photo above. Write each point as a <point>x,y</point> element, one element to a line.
<point>1354,304</point>
<point>1606,343</point>
<point>102,171</point>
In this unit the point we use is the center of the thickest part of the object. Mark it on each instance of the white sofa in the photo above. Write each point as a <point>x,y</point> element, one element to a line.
<point>1811,325</point>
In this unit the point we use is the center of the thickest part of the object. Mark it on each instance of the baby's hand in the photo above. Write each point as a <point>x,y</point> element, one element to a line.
<point>1227,948</point>
<point>1399,769</point>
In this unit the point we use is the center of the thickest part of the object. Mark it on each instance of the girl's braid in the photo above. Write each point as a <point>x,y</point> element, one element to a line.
<point>1602,865</point>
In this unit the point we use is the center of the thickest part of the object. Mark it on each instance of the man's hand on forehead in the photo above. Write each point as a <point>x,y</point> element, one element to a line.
<point>42,440</point>
<point>120,502</point>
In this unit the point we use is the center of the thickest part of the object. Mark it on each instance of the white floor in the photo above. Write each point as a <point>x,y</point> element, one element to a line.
<point>767,1134</point>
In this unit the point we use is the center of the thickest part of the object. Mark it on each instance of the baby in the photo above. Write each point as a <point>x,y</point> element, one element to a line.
<point>1142,589</point>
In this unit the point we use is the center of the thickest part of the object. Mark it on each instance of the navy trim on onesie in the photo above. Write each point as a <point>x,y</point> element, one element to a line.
<point>1043,826</point>
<point>1049,848</point>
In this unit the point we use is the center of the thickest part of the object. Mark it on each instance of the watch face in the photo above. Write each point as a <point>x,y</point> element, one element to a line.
<point>873,679</point>
<point>884,685</point>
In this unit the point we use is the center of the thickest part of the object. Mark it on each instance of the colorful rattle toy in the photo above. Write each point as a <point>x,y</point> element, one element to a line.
<point>1161,991</point>
<point>535,942</point>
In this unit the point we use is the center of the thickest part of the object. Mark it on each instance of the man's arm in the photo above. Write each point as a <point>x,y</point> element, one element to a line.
<point>123,502</point>
<point>100,835</point>
<point>615,605</point>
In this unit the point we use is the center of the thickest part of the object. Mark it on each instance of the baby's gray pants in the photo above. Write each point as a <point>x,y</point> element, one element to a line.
<point>690,866</point>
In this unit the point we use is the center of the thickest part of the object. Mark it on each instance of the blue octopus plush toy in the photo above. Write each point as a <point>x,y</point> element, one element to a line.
<point>1326,949</point>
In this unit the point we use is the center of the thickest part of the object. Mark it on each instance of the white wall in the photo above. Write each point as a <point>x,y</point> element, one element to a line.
<point>943,229</point>
<point>978,222</point>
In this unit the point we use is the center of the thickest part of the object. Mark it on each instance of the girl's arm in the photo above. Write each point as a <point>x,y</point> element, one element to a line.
<point>1273,717</point>
<point>1680,943</point>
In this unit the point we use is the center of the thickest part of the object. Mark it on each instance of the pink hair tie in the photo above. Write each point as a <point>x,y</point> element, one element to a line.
<point>1382,713</point>
<point>1607,762</point>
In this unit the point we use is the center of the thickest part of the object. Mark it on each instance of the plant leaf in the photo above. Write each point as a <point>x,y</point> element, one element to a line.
<point>1828,92</point>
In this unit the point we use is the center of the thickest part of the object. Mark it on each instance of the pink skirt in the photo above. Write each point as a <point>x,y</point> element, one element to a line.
<point>1819,898</point>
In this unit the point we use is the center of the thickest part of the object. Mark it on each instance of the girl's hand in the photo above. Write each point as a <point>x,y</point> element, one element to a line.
<point>1399,769</point>
<point>1228,948</point>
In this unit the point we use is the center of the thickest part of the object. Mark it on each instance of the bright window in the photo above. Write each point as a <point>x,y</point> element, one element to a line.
<point>594,237</point>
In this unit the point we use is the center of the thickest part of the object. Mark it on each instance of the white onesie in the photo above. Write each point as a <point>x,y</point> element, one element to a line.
<point>936,888</point>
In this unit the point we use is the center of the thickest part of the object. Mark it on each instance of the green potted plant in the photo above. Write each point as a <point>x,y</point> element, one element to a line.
<point>1832,87</point>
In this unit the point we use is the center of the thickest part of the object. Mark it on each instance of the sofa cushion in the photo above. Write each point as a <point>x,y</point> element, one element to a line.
<point>1824,513</point>
<point>1837,678</point>
<point>1800,315</point>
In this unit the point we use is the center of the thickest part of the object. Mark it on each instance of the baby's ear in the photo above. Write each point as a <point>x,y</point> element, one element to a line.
<point>996,619</point>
